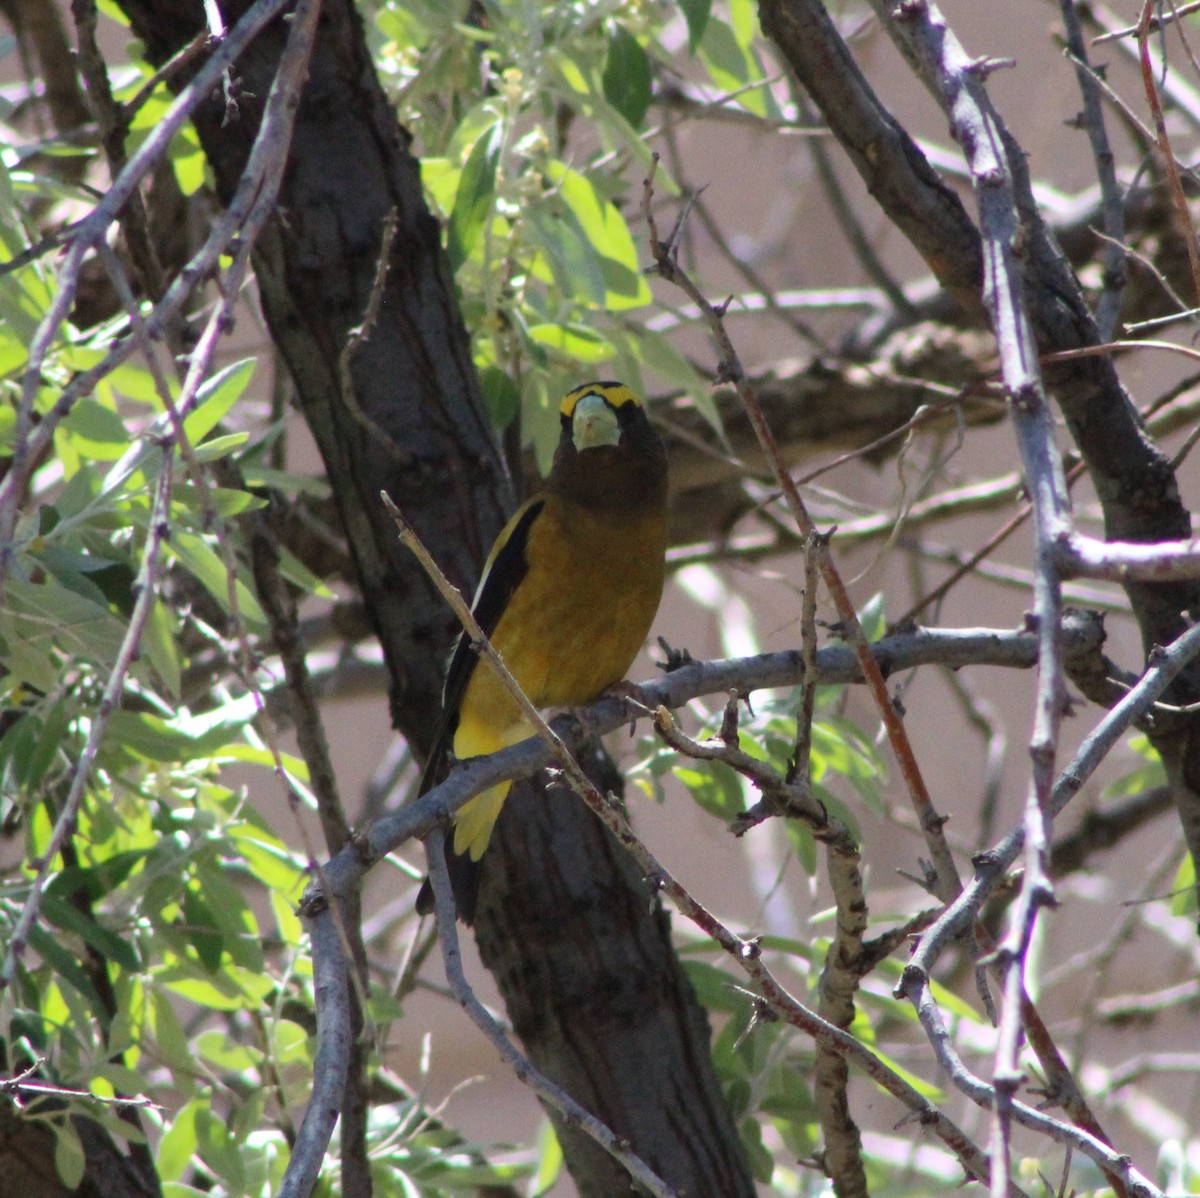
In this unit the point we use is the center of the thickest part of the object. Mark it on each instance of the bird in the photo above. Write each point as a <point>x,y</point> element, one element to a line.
<point>568,594</point>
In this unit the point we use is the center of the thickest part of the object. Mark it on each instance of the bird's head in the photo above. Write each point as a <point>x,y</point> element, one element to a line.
<point>609,454</point>
<point>595,414</point>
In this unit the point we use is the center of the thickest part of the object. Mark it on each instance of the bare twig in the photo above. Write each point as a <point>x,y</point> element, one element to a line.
<point>1155,23</point>
<point>1174,183</point>
<point>362,333</point>
<point>331,1064</point>
<point>114,127</point>
<point>521,1066</point>
<point>945,881</point>
<point>1092,120</point>
<point>992,865</point>
<point>343,874</point>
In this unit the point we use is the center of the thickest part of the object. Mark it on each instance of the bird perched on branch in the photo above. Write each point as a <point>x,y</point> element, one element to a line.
<point>567,597</point>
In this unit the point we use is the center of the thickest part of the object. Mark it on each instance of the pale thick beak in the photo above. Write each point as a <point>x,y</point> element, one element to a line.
<point>594,424</point>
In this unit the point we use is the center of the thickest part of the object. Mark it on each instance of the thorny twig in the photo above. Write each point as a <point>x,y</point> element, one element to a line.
<point>1108,310</point>
<point>1174,183</point>
<point>847,960</point>
<point>945,880</point>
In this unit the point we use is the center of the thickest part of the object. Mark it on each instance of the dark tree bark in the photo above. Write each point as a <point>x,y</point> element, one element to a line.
<point>28,1167</point>
<point>603,1005</point>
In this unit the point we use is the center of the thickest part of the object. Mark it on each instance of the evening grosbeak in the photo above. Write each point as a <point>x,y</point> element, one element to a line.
<point>567,597</point>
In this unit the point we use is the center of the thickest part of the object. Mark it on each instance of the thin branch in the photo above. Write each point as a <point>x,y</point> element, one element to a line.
<point>991,866</point>
<point>847,961</point>
<point>1114,1164</point>
<point>1108,310</point>
<point>945,881</point>
<point>848,220</point>
<point>170,70</point>
<point>342,875</point>
<point>1119,561</point>
<point>1174,183</point>
<point>331,1063</point>
<point>114,127</point>
<point>1155,23</point>
<point>522,1067</point>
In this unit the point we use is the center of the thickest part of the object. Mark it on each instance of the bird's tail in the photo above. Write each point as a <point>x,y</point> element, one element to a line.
<point>473,826</point>
<point>464,881</point>
<point>475,820</point>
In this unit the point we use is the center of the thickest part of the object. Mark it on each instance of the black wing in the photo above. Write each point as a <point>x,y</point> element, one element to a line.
<point>503,572</point>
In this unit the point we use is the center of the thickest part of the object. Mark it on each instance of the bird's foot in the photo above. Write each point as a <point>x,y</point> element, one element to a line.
<point>676,658</point>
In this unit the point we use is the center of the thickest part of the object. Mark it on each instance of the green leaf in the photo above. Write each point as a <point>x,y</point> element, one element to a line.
<point>269,860</point>
<point>626,78</point>
<point>572,341</point>
<point>762,1163</point>
<point>170,1038</point>
<point>501,395</point>
<point>202,931</point>
<point>231,916</point>
<point>209,571</point>
<point>233,989</point>
<point>179,1143</point>
<point>715,786</point>
<point>96,431</point>
<point>97,880</point>
<point>473,200</point>
<point>160,641</point>
<point>290,1042</point>
<point>40,619</point>
<point>297,573</point>
<point>733,66</point>
<point>439,177</point>
<point>549,1160</point>
<point>32,744</point>
<point>17,749</point>
<point>717,990</point>
<point>106,943</point>
<point>220,1151</point>
<point>1183,891</point>
<point>149,737</point>
<point>8,416</point>
<point>788,1096</point>
<point>69,1159</point>
<point>220,447</point>
<point>574,264</point>
<point>186,737</point>
<point>68,969</point>
<point>605,230</point>
<point>281,480</point>
<point>219,1049</point>
<point>696,13</point>
<point>226,500</point>
<point>215,398</point>
<point>872,617</point>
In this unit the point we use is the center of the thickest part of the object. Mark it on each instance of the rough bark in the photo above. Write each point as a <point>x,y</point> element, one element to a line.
<point>28,1168</point>
<point>598,1004</point>
<point>419,432</point>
